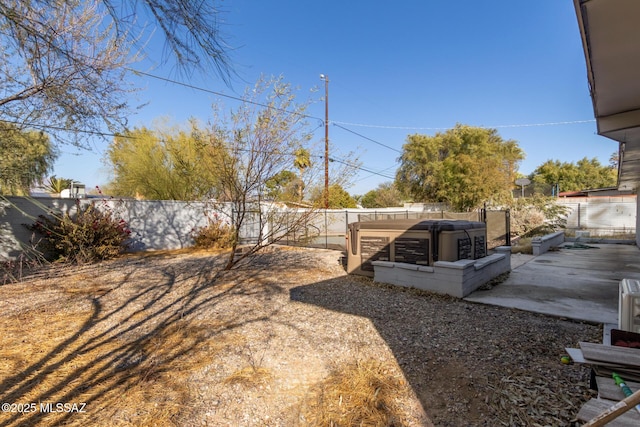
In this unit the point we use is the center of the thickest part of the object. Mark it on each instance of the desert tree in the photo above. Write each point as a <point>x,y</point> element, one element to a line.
<point>585,174</point>
<point>165,163</point>
<point>26,157</point>
<point>384,196</point>
<point>64,63</point>
<point>262,137</point>
<point>339,198</point>
<point>464,167</point>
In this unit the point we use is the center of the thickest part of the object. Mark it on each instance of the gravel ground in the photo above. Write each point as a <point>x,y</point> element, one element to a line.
<point>292,317</point>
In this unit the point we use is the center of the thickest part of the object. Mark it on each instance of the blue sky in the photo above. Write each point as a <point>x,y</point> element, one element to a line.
<point>396,68</point>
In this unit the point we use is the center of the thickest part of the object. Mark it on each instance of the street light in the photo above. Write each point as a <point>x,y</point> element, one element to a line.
<point>326,139</point>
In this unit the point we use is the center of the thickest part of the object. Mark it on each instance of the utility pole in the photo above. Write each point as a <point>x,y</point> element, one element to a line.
<point>326,139</point>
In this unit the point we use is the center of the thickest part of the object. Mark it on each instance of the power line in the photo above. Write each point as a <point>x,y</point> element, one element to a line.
<point>571,122</point>
<point>379,173</point>
<point>367,138</point>
<point>60,128</point>
<point>213,92</point>
<point>334,122</point>
<point>344,162</point>
<point>337,122</point>
<point>126,136</point>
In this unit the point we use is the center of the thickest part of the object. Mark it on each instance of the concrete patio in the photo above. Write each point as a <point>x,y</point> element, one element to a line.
<point>580,284</point>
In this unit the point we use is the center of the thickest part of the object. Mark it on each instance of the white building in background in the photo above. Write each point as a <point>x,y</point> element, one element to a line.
<point>76,191</point>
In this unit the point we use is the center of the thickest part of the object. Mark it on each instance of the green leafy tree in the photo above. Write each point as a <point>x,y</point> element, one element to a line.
<point>585,174</point>
<point>552,172</point>
<point>283,186</point>
<point>339,198</point>
<point>173,164</point>
<point>302,161</point>
<point>464,166</point>
<point>26,157</point>
<point>593,174</point>
<point>385,196</point>
<point>286,186</point>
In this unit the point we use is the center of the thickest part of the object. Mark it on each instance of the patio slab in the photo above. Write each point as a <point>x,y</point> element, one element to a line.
<point>580,284</point>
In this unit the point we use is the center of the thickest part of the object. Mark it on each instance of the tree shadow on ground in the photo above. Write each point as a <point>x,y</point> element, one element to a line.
<point>125,337</point>
<point>112,336</point>
<point>452,364</point>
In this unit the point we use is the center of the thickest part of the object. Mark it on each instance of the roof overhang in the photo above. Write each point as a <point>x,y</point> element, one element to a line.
<point>610,31</point>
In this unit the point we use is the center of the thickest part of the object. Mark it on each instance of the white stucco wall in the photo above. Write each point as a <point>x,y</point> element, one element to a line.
<point>154,224</point>
<point>602,215</point>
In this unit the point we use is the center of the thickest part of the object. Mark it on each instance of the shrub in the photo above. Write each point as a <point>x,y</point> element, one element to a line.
<point>537,215</point>
<point>215,235</point>
<point>90,235</point>
<point>13,270</point>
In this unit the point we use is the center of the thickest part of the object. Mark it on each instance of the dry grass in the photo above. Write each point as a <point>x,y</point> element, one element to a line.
<point>362,393</point>
<point>128,361</point>
<point>116,376</point>
<point>166,339</point>
<point>250,376</point>
<point>522,246</point>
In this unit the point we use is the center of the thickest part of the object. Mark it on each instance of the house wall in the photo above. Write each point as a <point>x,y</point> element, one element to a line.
<point>637,220</point>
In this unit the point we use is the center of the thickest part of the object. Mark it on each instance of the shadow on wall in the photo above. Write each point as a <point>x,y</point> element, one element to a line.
<point>162,224</point>
<point>155,225</point>
<point>15,212</point>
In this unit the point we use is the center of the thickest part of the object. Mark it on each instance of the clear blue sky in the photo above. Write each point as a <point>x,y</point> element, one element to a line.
<point>396,69</point>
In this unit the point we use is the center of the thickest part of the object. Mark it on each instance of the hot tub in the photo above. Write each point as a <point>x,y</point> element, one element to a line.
<point>413,241</point>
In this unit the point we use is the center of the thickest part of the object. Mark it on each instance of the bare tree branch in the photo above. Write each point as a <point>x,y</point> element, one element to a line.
<point>64,64</point>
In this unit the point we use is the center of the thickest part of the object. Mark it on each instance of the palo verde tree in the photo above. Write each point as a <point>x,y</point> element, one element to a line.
<point>262,138</point>
<point>166,164</point>
<point>26,157</point>
<point>464,167</point>
<point>64,63</point>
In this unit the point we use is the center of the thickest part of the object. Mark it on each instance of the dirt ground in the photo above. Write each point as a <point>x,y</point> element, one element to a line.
<point>169,339</point>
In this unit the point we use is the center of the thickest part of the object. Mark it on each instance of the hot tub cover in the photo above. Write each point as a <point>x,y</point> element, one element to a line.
<point>418,224</point>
